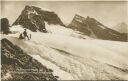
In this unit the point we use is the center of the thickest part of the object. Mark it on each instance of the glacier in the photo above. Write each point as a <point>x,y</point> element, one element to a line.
<point>73,56</point>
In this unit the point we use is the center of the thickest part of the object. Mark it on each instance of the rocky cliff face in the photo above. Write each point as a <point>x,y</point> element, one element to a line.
<point>34,18</point>
<point>93,28</point>
<point>5,26</point>
<point>17,65</point>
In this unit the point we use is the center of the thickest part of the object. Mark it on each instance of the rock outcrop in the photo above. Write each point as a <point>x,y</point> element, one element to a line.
<point>5,26</point>
<point>17,65</point>
<point>34,18</point>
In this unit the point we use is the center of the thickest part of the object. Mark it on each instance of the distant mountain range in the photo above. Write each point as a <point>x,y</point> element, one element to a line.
<point>121,27</point>
<point>34,18</point>
<point>93,28</point>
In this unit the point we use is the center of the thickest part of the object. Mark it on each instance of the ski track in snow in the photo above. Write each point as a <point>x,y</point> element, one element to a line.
<point>73,58</point>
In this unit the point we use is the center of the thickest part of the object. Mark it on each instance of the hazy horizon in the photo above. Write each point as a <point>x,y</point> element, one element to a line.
<point>110,13</point>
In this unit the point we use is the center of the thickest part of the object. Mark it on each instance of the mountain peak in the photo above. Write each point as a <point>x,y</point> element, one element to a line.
<point>77,15</point>
<point>93,28</point>
<point>34,18</point>
<point>27,6</point>
<point>79,18</point>
<point>123,23</point>
<point>121,27</point>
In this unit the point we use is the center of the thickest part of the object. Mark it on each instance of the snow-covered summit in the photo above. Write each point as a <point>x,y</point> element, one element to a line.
<point>33,18</point>
<point>121,27</point>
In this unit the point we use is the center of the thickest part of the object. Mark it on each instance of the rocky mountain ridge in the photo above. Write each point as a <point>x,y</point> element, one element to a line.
<point>34,18</point>
<point>93,28</point>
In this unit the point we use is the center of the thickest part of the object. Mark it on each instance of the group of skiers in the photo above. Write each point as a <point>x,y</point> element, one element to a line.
<point>24,35</point>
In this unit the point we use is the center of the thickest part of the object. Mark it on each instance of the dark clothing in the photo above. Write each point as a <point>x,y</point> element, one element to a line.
<point>25,35</point>
<point>30,36</point>
<point>21,37</point>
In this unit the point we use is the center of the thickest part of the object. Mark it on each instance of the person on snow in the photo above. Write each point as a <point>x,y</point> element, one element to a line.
<point>21,36</point>
<point>25,34</point>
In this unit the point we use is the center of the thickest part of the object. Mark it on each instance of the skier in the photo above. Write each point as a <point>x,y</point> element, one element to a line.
<point>25,34</point>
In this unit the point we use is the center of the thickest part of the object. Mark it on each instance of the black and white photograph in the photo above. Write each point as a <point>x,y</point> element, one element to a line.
<point>56,40</point>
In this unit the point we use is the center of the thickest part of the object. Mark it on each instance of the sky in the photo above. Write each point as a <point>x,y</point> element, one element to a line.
<point>110,13</point>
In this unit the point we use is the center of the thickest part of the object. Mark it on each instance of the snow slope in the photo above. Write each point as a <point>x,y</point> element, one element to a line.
<point>73,58</point>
